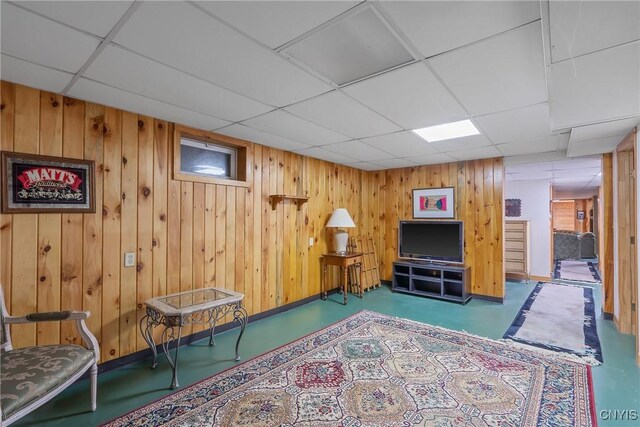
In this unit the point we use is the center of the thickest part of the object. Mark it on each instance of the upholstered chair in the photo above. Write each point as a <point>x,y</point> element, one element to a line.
<point>31,376</point>
<point>566,245</point>
<point>588,245</point>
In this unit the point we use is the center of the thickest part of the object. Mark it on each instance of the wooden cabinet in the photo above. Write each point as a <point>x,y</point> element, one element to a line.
<point>445,282</point>
<point>516,249</point>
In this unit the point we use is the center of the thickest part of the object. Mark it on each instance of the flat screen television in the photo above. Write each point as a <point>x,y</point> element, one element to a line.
<point>431,241</point>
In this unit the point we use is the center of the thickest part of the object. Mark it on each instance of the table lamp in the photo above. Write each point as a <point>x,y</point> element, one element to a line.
<point>341,219</point>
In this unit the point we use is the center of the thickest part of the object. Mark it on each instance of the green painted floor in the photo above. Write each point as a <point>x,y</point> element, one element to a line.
<point>617,381</point>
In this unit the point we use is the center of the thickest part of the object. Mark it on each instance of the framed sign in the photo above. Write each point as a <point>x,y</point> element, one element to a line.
<point>40,184</point>
<point>512,207</point>
<point>433,203</point>
<point>581,215</point>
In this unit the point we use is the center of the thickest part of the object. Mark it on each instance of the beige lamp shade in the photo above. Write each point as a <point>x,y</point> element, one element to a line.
<point>341,219</point>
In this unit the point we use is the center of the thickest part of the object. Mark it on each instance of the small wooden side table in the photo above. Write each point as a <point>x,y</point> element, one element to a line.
<point>344,261</point>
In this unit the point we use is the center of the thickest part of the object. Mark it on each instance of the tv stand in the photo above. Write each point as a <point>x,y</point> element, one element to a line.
<point>441,281</point>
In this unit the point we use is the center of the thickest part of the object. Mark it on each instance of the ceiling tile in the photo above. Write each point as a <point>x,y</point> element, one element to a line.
<point>516,125</point>
<point>401,144</point>
<point>528,176</point>
<point>281,123</point>
<point>476,153</point>
<point>570,179</point>
<point>358,150</point>
<point>597,87</point>
<point>603,130</point>
<point>534,145</point>
<point>202,46</point>
<point>580,27</point>
<point>134,73</point>
<point>594,146</point>
<point>33,75</point>
<point>395,163</point>
<point>276,22</point>
<point>354,47</point>
<point>466,143</point>
<point>527,147</point>
<point>329,156</point>
<point>410,96</point>
<point>535,158</point>
<point>95,17</point>
<point>497,74</point>
<point>259,137</point>
<point>582,172</point>
<point>33,38</point>
<point>342,114</point>
<point>577,163</point>
<point>432,159</point>
<point>529,167</point>
<point>113,97</point>
<point>438,26</point>
<point>364,166</point>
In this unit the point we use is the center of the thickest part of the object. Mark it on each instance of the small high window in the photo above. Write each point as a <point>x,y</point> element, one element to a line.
<point>201,156</point>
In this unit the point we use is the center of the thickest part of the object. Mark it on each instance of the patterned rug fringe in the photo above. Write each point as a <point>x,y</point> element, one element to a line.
<point>584,360</point>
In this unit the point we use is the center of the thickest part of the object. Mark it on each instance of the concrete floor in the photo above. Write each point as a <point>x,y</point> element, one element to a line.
<point>617,381</point>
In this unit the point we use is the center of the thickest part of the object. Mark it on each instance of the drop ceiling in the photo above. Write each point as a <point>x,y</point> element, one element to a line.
<point>542,81</point>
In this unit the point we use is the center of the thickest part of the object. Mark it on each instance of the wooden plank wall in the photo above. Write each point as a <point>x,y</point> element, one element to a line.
<point>605,217</point>
<point>191,235</point>
<point>185,235</point>
<point>627,263</point>
<point>563,214</point>
<point>479,196</point>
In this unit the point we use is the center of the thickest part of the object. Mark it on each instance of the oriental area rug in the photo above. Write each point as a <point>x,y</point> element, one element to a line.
<point>374,370</point>
<point>560,318</point>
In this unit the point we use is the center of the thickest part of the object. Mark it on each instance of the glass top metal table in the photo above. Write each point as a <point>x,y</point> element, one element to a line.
<point>200,306</point>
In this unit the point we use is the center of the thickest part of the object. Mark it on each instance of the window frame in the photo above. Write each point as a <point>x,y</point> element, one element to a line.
<point>210,138</point>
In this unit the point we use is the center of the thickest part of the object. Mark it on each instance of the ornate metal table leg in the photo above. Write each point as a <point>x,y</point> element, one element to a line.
<point>147,334</point>
<point>167,338</point>
<point>213,318</point>
<point>240,314</point>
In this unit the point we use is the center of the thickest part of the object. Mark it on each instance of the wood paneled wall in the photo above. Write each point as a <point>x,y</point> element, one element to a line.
<point>479,195</point>
<point>627,262</point>
<point>563,214</point>
<point>191,235</point>
<point>605,217</point>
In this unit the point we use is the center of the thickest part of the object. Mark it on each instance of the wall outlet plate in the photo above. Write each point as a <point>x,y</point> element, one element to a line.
<point>129,259</point>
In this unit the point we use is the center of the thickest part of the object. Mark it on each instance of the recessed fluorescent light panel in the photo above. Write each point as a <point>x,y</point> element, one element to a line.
<point>447,131</point>
<point>358,46</point>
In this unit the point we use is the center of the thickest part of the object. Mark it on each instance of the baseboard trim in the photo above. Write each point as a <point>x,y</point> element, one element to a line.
<point>386,282</point>
<point>607,316</point>
<point>488,298</point>
<point>186,340</point>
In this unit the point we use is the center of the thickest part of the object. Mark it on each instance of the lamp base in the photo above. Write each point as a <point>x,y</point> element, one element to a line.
<point>340,240</point>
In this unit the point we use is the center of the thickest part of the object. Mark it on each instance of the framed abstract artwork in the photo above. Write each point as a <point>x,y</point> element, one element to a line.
<point>512,207</point>
<point>433,203</point>
<point>44,184</point>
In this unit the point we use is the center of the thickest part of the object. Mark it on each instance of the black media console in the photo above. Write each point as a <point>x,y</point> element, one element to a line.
<point>451,283</point>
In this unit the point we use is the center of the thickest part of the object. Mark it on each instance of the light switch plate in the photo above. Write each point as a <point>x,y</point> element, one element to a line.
<point>311,241</point>
<point>129,259</point>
